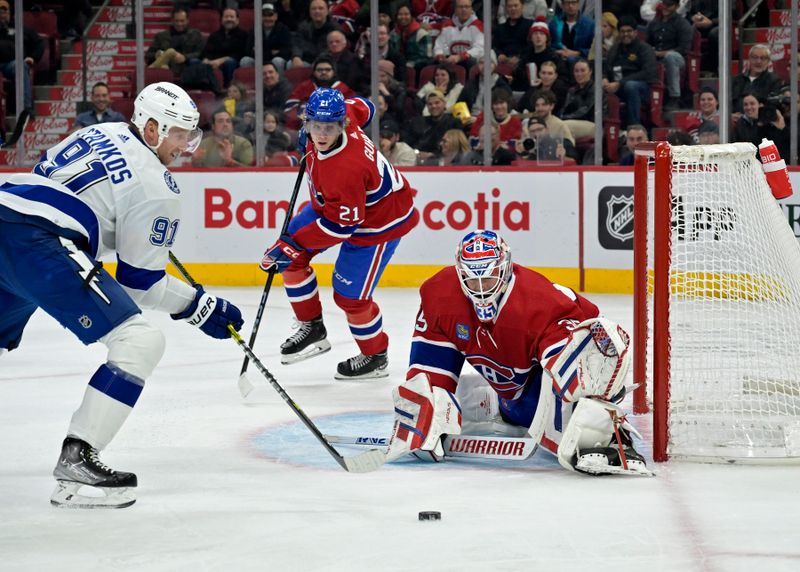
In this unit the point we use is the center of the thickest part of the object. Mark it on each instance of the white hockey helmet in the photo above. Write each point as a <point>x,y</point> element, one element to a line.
<point>169,106</point>
<point>483,263</point>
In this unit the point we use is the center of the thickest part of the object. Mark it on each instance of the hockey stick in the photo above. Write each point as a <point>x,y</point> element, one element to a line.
<point>362,463</point>
<point>468,446</point>
<point>245,385</point>
<point>19,127</point>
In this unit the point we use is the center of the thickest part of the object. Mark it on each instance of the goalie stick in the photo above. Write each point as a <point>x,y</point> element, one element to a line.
<point>468,446</point>
<point>19,127</point>
<point>245,385</point>
<point>362,463</point>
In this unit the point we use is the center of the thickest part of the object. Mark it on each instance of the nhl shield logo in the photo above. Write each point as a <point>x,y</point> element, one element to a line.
<point>619,217</point>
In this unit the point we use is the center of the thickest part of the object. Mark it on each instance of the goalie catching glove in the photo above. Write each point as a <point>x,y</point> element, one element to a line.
<point>422,415</point>
<point>211,314</point>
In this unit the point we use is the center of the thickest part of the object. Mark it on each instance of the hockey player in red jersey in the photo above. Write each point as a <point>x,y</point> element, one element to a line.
<point>358,200</point>
<point>555,368</point>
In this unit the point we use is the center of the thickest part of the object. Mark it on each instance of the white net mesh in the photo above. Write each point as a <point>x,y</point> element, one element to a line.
<point>734,303</point>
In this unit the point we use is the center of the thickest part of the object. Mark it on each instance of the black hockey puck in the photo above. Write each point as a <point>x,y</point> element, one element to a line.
<point>430,515</point>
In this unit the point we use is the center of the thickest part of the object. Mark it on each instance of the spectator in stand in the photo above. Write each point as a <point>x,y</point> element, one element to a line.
<point>225,47</point>
<point>571,34</point>
<point>177,47</point>
<point>385,52</point>
<point>32,47</point>
<point>704,16</point>
<point>349,68</point>
<point>501,154</point>
<point>276,87</point>
<point>276,40</point>
<point>446,81</point>
<point>608,25</point>
<point>650,8</point>
<point>578,111</point>
<point>323,75</point>
<point>671,36</point>
<point>276,139</point>
<point>291,12</point>
<point>396,152</point>
<point>630,69</point>
<point>531,9</point>
<point>461,39</point>
<point>413,41</point>
<point>538,50</point>
<point>680,137</point>
<point>238,105</point>
<point>389,87</point>
<point>343,13</point>
<point>708,133</point>
<point>709,105</point>
<point>756,79</point>
<point>635,135</point>
<point>472,94</point>
<point>510,37</point>
<point>432,14</point>
<point>509,126</point>
<point>746,128</point>
<point>545,102</point>
<point>386,110</point>
<point>101,111</point>
<point>538,145</point>
<point>424,133</point>
<point>312,34</point>
<point>454,148</point>
<point>548,81</point>
<point>772,125</point>
<point>223,148</point>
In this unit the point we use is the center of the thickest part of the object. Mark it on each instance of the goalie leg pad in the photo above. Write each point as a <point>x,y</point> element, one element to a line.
<point>594,362</point>
<point>422,415</point>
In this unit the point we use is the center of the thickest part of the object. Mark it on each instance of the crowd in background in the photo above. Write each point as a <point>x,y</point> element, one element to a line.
<point>431,81</point>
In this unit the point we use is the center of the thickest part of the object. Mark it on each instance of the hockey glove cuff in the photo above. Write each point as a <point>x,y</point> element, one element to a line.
<point>281,254</point>
<point>211,314</point>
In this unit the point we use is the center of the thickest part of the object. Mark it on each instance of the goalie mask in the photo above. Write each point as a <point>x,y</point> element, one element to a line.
<point>483,263</point>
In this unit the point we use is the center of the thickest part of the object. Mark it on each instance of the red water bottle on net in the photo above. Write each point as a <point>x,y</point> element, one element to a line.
<point>775,170</point>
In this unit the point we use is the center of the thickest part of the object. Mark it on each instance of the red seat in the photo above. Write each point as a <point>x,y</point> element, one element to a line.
<point>297,75</point>
<point>660,133</point>
<point>42,22</point>
<point>246,20</point>
<point>204,19</point>
<point>124,106</point>
<point>207,104</point>
<point>693,59</point>
<point>246,75</point>
<point>426,74</point>
<point>155,75</point>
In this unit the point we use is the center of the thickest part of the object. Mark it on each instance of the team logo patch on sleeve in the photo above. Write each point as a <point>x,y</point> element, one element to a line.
<point>171,184</point>
<point>462,332</point>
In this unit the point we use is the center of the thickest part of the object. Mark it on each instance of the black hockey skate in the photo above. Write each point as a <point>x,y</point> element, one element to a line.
<point>616,459</point>
<point>80,466</point>
<point>363,367</point>
<point>309,340</point>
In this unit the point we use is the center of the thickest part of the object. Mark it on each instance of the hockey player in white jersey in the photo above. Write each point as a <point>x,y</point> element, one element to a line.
<point>104,189</point>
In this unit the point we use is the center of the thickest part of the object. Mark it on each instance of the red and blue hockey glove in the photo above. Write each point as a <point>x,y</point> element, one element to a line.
<point>281,254</point>
<point>211,314</point>
<point>302,141</point>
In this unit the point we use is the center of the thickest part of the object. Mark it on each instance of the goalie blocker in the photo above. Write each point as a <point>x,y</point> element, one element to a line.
<point>542,351</point>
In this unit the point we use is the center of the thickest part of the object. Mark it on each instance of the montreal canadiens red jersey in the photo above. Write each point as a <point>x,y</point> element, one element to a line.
<point>533,324</point>
<point>359,196</point>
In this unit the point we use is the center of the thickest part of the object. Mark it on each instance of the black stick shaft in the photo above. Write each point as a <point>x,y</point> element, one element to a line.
<point>271,274</point>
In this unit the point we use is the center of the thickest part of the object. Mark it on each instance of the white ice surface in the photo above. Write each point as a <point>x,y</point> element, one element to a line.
<point>227,485</point>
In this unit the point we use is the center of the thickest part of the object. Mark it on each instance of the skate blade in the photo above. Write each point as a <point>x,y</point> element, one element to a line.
<point>377,374</point>
<point>598,468</point>
<point>316,349</point>
<point>66,496</point>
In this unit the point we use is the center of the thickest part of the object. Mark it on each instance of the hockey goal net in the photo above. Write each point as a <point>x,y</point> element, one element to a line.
<point>716,306</point>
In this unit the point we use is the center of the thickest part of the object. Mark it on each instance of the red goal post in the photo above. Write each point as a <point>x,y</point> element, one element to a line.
<point>716,306</point>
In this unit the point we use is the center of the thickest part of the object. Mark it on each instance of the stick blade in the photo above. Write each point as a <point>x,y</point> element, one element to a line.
<point>366,462</point>
<point>246,386</point>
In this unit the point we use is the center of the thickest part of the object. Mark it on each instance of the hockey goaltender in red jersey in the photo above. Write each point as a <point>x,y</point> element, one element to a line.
<point>358,200</point>
<point>550,366</point>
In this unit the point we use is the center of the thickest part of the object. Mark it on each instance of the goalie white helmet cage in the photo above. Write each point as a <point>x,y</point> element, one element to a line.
<point>483,263</point>
<point>170,106</point>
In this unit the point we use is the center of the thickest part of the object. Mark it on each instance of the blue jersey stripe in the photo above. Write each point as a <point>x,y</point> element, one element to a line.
<point>117,385</point>
<point>67,203</point>
<point>366,330</point>
<point>373,197</point>
<point>440,357</point>
<point>302,290</point>
<point>336,229</point>
<point>137,278</point>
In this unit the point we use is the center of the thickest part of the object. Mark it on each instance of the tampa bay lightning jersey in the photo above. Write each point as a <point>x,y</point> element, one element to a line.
<point>105,189</point>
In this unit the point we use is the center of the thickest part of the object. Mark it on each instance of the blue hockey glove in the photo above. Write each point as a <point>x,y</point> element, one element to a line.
<point>302,141</point>
<point>211,314</point>
<point>281,254</point>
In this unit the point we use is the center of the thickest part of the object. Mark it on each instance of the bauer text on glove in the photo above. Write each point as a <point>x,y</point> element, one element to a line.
<point>211,314</point>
